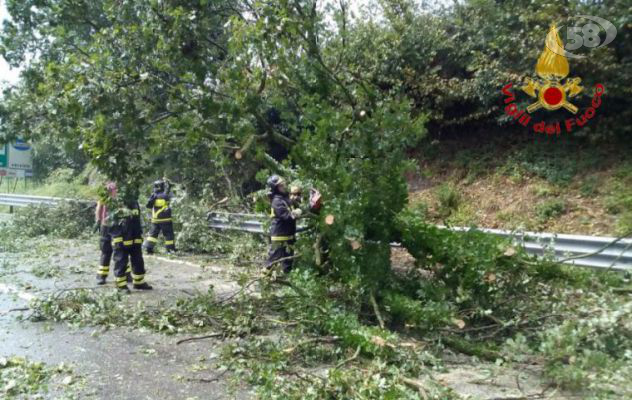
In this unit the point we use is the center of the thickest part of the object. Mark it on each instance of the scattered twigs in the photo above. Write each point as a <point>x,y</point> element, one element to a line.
<point>280,260</point>
<point>325,339</point>
<point>196,338</point>
<point>14,310</point>
<point>596,251</point>
<point>492,330</point>
<point>348,360</point>
<point>619,257</point>
<point>238,292</point>
<point>376,310</point>
<point>208,380</point>
<point>415,384</point>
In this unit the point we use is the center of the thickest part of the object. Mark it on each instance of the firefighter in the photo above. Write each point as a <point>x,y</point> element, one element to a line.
<point>296,196</point>
<point>127,240</point>
<point>102,225</point>
<point>161,219</point>
<point>283,226</point>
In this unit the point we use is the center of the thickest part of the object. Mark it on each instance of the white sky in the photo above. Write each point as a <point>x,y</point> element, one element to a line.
<point>7,75</point>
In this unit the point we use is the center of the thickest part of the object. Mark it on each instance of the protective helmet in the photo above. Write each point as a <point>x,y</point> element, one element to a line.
<point>274,181</point>
<point>295,190</point>
<point>159,186</point>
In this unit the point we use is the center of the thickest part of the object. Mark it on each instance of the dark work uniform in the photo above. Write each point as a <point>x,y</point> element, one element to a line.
<point>161,221</point>
<point>282,232</point>
<point>127,240</point>
<point>105,245</point>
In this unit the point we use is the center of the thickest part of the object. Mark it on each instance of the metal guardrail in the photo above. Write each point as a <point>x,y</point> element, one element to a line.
<point>20,200</point>
<point>23,200</point>
<point>613,255</point>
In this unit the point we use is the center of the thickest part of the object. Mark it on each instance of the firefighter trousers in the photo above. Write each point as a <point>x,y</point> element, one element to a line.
<point>105,245</point>
<point>281,253</point>
<point>152,238</point>
<point>133,254</point>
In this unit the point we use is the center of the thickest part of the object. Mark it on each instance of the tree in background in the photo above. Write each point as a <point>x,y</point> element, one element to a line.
<point>201,90</point>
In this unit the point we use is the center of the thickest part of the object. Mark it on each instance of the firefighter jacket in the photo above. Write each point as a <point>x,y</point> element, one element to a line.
<point>160,210</point>
<point>126,229</point>
<point>283,226</point>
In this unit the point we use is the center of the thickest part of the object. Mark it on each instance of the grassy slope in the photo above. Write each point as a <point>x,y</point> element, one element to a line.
<point>555,184</point>
<point>62,183</point>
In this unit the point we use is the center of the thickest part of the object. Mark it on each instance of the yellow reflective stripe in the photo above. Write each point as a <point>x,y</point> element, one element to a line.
<point>121,278</point>
<point>272,212</point>
<point>281,238</point>
<point>117,240</point>
<point>168,242</point>
<point>155,213</point>
<point>158,220</point>
<point>138,241</point>
<point>128,270</point>
<point>152,239</point>
<point>122,283</point>
<point>128,243</point>
<point>138,278</point>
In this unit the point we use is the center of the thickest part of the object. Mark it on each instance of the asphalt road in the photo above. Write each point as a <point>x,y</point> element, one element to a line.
<point>117,363</point>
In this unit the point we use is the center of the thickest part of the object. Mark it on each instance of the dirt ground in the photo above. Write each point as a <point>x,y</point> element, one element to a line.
<point>491,198</point>
<point>123,363</point>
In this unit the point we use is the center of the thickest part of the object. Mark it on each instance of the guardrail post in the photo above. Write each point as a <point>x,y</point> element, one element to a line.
<point>10,209</point>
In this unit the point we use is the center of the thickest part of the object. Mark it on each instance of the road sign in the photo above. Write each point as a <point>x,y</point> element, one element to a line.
<point>16,159</point>
<point>3,155</point>
<point>20,156</point>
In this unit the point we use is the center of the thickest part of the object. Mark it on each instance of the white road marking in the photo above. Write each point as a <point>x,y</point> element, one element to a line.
<point>165,259</point>
<point>11,289</point>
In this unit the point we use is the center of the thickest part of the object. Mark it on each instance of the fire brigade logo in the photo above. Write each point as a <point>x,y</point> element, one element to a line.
<point>552,90</point>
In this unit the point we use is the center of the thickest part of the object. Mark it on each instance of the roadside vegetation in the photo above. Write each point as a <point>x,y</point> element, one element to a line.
<point>308,336</point>
<point>552,185</point>
<point>219,95</point>
<point>24,379</point>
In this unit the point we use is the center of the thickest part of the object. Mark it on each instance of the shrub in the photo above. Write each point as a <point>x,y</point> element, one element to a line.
<point>66,220</point>
<point>590,186</point>
<point>550,209</point>
<point>470,270</point>
<point>448,199</point>
<point>593,351</point>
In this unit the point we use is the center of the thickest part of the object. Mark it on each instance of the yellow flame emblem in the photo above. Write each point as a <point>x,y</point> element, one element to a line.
<point>552,68</point>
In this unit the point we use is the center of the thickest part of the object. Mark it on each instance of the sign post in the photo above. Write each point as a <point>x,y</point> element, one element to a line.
<point>16,160</point>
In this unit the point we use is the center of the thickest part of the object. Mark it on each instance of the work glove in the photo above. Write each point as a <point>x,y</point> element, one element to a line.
<point>297,213</point>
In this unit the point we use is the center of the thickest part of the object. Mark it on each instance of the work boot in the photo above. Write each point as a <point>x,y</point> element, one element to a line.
<point>123,289</point>
<point>143,286</point>
<point>101,279</point>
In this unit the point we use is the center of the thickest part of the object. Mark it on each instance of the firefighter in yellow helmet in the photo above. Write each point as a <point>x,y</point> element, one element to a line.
<point>161,218</point>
